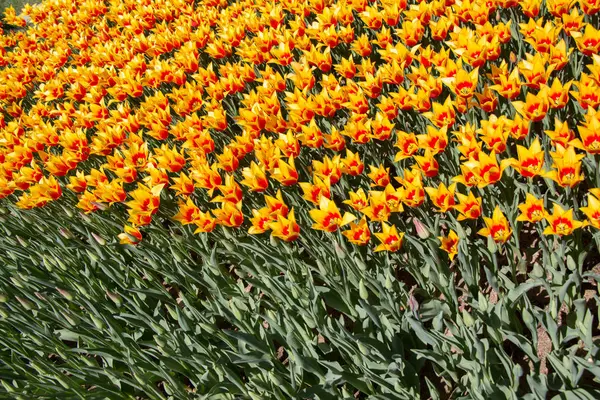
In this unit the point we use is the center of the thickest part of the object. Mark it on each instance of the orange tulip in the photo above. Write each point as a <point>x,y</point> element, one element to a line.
<point>390,239</point>
<point>561,222</point>
<point>442,197</point>
<point>358,233</point>
<point>328,218</point>
<point>468,206</point>
<point>530,161</point>
<point>285,228</point>
<point>532,210</point>
<point>449,244</point>
<point>497,227</point>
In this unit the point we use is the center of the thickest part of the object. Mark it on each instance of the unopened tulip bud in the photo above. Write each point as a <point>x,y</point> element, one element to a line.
<point>421,229</point>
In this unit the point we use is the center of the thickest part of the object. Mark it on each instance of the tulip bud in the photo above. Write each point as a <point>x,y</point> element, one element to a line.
<point>22,241</point>
<point>115,297</point>
<point>68,318</point>
<point>157,328</point>
<point>172,313</point>
<point>16,282</point>
<point>47,264</point>
<point>527,317</point>
<point>482,301</point>
<point>67,212</point>
<point>65,294</point>
<point>99,239</point>
<point>388,282</point>
<point>537,271</point>
<point>98,323</point>
<point>339,250</point>
<point>28,305</point>
<point>363,349</point>
<point>469,321</point>
<point>362,290</point>
<point>422,230</point>
<point>236,312</point>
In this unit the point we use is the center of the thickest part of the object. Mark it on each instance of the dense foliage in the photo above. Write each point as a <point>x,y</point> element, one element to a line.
<point>300,199</point>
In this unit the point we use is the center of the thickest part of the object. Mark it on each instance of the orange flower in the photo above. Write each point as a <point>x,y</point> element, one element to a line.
<point>468,206</point>
<point>206,177</point>
<point>590,136</point>
<point>378,208</point>
<point>463,84</point>
<point>508,87</point>
<point>255,178</point>
<point>358,200</point>
<point>443,115</point>
<point>169,159</point>
<point>481,172</point>
<point>414,194</point>
<point>588,42</point>
<point>558,94</point>
<point>230,191</point>
<point>442,197</point>
<point>311,135</point>
<point>434,140</point>
<point>328,168</point>
<point>390,239</point>
<point>227,161</point>
<point>205,222</point>
<point>288,144</point>
<point>145,199</point>
<point>131,235</point>
<point>562,134</point>
<point>407,143</point>
<point>285,228</point>
<point>567,164</point>
<point>188,212</point>
<point>530,161</point>
<point>428,164</point>
<point>334,141</point>
<point>328,218</point>
<point>77,183</point>
<point>379,175</point>
<point>592,210</point>
<point>358,233</point>
<point>450,244</point>
<point>535,107</point>
<point>352,164</point>
<point>532,210</point>
<point>230,214</point>
<point>183,185</point>
<point>285,173</point>
<point>394,198</point>
<point>315,191</point>
<point>260,221</point>
<point>497,227</point>
<point>561,222</point>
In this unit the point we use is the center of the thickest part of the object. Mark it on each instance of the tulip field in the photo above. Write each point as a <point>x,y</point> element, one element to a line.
<point>300,199</point>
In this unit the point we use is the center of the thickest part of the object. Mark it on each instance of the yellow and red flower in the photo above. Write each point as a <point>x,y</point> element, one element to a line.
<point>496,227</point>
